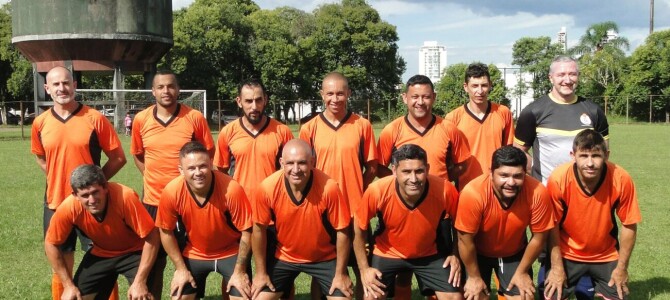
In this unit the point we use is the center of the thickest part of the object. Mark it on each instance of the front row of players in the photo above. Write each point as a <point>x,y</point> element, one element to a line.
<point>301,223</point>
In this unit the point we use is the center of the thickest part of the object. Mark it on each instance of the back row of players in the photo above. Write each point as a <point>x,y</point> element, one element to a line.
<point>293,201</point>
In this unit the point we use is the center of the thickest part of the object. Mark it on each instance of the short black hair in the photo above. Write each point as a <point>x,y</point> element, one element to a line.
<point>476,70</point>
<point>589,139</point>
<point>192,147</point>
<point>250,82</point>
<point>508,156</point>
<point>408,151</point>
<point>87,175</point>
<point>419,79</point>
<point>166,72</point>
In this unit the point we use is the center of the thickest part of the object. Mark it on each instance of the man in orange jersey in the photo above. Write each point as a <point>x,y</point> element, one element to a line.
<point>344,145</point>
<point>249,148</point>
<point>586,194</point>
<point>494,211</point>
<point>66,136</point>
<point>124,237</point>
<point>487,126</point>
<point>216,216</point>
<point>312,222</point>
<point>158,133</point>
<point>416,211</point>
<point>446,146</point>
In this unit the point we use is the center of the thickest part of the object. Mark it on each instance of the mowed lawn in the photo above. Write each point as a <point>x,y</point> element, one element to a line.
<point>643,150</point>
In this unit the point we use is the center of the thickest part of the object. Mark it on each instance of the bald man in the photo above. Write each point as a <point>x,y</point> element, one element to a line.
<point>312,222</point>
<point>64,137</point>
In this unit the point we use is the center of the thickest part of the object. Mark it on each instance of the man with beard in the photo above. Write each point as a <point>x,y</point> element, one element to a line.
<point>494,211</point>
<point>586,194</point>
<point>217,220</point>
<point>66,136</point>
<point>158,133</point>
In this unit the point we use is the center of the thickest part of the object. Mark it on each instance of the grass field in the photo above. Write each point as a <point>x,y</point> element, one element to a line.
<point>25,274</point>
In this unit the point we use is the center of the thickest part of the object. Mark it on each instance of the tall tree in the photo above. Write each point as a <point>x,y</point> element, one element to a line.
<point>450,92</point>
<point>597,38</point>
<point>534,56</point>
<point>15,70</point>
<point>601,75</point>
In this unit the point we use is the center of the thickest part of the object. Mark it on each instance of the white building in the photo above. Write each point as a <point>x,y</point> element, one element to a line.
<point>563,38</point>
<point>432,60</point>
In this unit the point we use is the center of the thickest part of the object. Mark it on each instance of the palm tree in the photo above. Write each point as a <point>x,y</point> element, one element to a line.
<point>597,37</point>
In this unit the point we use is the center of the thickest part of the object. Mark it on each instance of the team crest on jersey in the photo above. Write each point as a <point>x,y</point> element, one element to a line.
<point>585,119</point>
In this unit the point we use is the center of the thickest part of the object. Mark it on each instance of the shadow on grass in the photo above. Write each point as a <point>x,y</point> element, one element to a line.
<point>650,288</point>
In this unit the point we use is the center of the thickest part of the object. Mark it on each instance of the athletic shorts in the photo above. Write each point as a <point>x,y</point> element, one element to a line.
<point>283,274</point>
<point>98,274</point>
<point>504,267</point>
<point>601,273</point>
<point>430,274</point>
<point>71,241</point>
<point>201,268</point>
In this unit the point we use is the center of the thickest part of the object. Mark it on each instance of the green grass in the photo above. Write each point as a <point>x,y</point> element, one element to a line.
<point>640,149</point>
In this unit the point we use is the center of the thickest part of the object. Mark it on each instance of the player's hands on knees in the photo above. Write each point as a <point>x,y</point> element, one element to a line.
<point>180,279</point>
<point>475,288</point>
<point>259,282</point>
<point>240,281</point>
<point>455,272</point>
<point>555,282</point>
<point>139,291</point>
<point>372,285</point>
<point>343,283</point>
<point>70,292</point>
<point>620,279</point>
<point>524,283</point>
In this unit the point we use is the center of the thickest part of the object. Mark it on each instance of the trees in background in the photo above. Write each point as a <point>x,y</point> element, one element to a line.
<point>450,92</point>
<point>534,56</point>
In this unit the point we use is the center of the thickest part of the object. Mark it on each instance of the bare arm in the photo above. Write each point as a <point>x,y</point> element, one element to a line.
<point>116,161</point>
<point>556,278</point>
<point>370,277</point>
<point>475,287</point>
<point>240,278</point>
<point>521,279</point>
<point>259,241</point>
<point>138,289</point>
<point>456,170</point>
<point>370,173</point>
<point>383,171</point>
<point>620,274</point>
<point>182,276</point>
<point>41,162</point>
<point>223,170</point>
<point>341,280</point>
<point>55,256</point>
<point>526,150</point>
<point>139,162</point>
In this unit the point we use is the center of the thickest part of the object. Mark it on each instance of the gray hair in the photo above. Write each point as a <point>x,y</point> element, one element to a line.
<point>562,59</point>
<point>87,175</point>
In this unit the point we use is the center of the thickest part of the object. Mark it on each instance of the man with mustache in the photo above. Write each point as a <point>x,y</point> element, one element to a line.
<point>493,213</point>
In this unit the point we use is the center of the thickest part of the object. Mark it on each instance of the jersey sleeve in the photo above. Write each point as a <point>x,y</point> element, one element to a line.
<point>36,146</point>
<point>385,145</point>
<point>338,207</point>
<point>508,132</point>
<point>451,198</point>
<point>554,191</point>
<point>469,213</point>
<point>136,216</point>
<point>628,210</point>
<point>368,207</point>
<point>238,204</point>
<point>261,211</point>
<point>370,147</point>
<point>601,123</point>
<point>222,155</point>
<point>136,144</point>
<point>524,134</point>
<point>306,133</point>
<point>62,223</point>
<point>166,216</point>
<point>542,212</point>
<point>202,133</point>
<point>461,149</point>
<point>107,136</point>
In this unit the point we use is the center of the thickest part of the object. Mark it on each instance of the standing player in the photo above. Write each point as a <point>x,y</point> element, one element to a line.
<point>445,145</point>
<point>494,211</point>
<point>217,220</point>
<point>312,222</point>
<point>158,133</point>
<point>66,136</point>
<point>250,147</point>
<point>344,144</point>
<point>124,237</point>
<point>487,126</point>
<point>415,209</point>
<point>586,194</point>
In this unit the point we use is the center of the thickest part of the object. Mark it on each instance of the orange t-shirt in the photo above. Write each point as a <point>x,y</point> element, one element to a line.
<point>409,232</point>
<point>251,158</point>
<point>342,151</point>
<point>66,144</point>
<point>306,228</point>
<point>160,143</point>
<point>213,228</point>
<point>442,141</point>
<point>502,232</point>
<point>587,225</point>
<point>125,225</point>
<point>485,136</point>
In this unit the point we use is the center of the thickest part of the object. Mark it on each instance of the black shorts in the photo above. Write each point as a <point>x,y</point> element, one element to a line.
<point>601,273</point>
<point>430,274</point>
<point>504,267</point>
<point>98,274</point>
<point>283,274</point>
<point>71,241</point>
<point>201,268</point>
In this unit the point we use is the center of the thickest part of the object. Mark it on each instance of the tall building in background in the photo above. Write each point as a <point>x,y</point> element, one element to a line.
<point>563,38</point>
<point>432,60</point>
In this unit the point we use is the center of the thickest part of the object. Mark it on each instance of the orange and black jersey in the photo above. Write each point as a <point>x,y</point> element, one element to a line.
<point>213,227</point>
<point>160,143</point>
<point>501,232</point>
<point>121,230</point>
<point>306,228</point>
<point>484,136</point>
<point>588,228</point>
<point>443,142</point>
<point>342,151</point>
<point>68,143</point>
<point>251,158</point>
<point>407,232</point>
